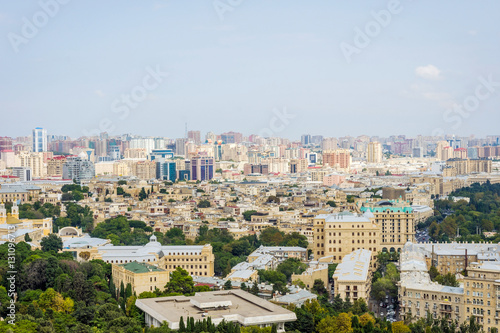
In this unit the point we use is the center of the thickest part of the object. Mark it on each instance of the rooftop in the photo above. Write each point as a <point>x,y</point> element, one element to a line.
<point>229,305</point>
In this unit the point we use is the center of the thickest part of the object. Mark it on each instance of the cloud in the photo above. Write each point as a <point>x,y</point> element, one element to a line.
<point>429,72</point>
<point>99,93</point>
<point>472,32</point>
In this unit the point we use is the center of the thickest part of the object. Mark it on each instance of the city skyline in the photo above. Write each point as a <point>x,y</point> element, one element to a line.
<point>234,68</point>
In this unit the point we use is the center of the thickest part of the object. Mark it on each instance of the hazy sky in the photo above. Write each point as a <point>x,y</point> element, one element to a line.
<point>280,67</point>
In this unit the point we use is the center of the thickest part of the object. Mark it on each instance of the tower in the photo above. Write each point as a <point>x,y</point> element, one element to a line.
<point>15,210</point>
<point>3,214</point>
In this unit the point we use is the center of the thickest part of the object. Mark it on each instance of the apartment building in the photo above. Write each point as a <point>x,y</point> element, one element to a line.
<point>482,294</point>
<point>419,296</point>
<point>352,277</point>
<point>339,234</point>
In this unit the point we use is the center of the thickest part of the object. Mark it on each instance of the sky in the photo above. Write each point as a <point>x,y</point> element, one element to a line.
<point>273,68</point>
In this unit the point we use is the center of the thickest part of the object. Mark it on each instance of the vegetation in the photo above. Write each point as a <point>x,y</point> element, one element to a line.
<point>384,281</point>
<point>481,214</point>
<point>203,204</point>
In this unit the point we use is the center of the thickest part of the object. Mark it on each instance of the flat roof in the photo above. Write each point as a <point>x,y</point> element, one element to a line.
<point>239,306</point>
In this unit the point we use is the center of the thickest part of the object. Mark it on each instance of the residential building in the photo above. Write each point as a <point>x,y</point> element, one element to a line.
<point>339,234</point>
<point>374,152</point>
<point>352,277</point>
<point>339,158</point>
<point>78,169</point>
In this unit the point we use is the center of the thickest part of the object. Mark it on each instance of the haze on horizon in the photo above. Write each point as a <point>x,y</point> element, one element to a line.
<point>423,68</point>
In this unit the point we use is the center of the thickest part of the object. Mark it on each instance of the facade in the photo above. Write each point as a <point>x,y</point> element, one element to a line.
<point>55,166</point>
<point>166,170</point>
<point>352,277</point>
<point>419,296</point>
<point>78,169</point>
<point>338,235</point>
<point>230,305</point>
<point>316,271</point>
<point>24,174</point>
<point>482,294</point>
<point>202,168</point>
<point>396,220</point>
<point>141,276</point>
<point>39,140</point>
<point>374,152</point>
<point>339,158</point>
<point>198,260</point>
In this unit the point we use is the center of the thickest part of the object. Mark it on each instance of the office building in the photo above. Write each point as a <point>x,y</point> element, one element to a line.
<point>202,168</point>
<point>141,276</point>
<point>39,140</point>
<point>24,174</point>
<point>166,170</point>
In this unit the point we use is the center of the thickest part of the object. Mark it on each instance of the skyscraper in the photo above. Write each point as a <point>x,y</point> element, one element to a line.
<point>195,136</point>
<point>374,152</point>
<point>305,139</point>
<point>39,140</point>
<point>202,168</point>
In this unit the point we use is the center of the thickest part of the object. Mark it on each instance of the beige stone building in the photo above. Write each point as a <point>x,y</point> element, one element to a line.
<point>339,234</point>
<point>352,277</point>
<point>198,260</point>
<point>396,221</point>
<point>419,296</point>
<point>316,271</point>
<point>482,294</point>
<point>141,276</point>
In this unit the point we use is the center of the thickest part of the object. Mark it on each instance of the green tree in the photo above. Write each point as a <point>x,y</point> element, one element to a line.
<point>228,285</point>
<point>203,204</point>
<point>51,242</point>
<point>247,215</point>
<point>180,282</point>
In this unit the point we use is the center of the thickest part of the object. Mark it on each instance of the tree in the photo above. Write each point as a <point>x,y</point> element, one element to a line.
<point>331,203</point>
<point>255,289</point>
<point>228,285</point>
<point>319,287</point>
<point>433,272</point>
<point>51,242</point>
<point>400,327</point>
<point>54,300</point>
<point>180,282</point>
<point>142,194</point>
<point>203,204</point>
<point>27,237</point>
<point>247,215</point>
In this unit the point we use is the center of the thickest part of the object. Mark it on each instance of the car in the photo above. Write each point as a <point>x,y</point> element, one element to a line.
<point>381,314</point>
<point>381,304</point>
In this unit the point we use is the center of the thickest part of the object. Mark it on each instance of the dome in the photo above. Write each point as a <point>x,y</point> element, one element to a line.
<point>153,245</point>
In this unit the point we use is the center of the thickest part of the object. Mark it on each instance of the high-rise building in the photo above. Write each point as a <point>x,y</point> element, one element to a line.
<point>374,152</point>
<point>180,146</point>
<point>78,169</point>
<point>329,144</point>
<point>194,136</point>
<point>166,169</point>
<point>340,158</point>
<point>202,168</point>
<point>418,152</point>
<point>231,137</point>
<point>305,139</point>
<point>39,140</point>
<point>5,143</point>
